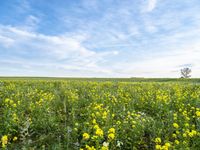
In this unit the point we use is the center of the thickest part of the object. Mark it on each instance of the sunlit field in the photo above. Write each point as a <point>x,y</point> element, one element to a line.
<point>100,114</point>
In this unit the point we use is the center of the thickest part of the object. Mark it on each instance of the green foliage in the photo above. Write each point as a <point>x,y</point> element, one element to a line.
<point>88,115</point>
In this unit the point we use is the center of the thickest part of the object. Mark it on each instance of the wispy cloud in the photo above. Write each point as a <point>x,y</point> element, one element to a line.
<point>150,38</point>
<point>5,41</point>
<point>50,51</point>
<point>151,5</point>
<point>148,5</point>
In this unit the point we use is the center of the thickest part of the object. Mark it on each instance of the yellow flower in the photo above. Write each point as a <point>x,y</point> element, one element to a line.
<point>89,147</point>
<point>15,118</point>
<point>118,122</point>
<point>165,147</point>
<point>176,142</point>
<point>7,100</point>
<point>99,132</point>
<point>174,135</point>
<point>94,121</point>
<point>111,130</point>
<point>96,126</point>
<point>158,140</point>
<point>111,136</point>
<point>104,115</point>
<point>86,136</point>
<point>184,135</point>
<point>4,140</point>
<point>198,113</point>
<point>97,114</point>
<point>186,125</point>
<point>175,125</point>
<point>192,133</point>
<point>158,147</point>
<point>15,138</point>
<point>104,148</point>
<point>167,144</point>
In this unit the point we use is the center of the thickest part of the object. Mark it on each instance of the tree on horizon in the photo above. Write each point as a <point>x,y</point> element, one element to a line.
<point>185,72</point>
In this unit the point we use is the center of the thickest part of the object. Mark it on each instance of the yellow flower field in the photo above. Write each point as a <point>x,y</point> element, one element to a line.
<point>93,115</point>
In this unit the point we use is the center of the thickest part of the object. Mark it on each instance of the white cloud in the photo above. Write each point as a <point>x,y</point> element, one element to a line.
<point>61,53</point>
<point>151,5</point>
<point>6,41</point>
<point>60,45</point>
<point>121,40</point>
<point>148,6</point>
<point>167,64</point>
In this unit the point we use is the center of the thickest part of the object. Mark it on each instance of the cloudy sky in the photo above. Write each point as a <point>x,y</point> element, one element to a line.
<point>99,38</point>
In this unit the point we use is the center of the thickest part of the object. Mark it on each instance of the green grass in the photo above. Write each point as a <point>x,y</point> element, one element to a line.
<point>54,113</point>
<point>193,80</point>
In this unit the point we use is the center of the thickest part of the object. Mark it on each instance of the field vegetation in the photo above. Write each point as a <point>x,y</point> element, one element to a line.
<point>99,114</point>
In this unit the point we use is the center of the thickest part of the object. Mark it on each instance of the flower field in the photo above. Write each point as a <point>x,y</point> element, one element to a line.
<point>93,115</point>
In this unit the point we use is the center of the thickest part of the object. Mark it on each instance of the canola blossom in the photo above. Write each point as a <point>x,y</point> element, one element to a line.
<point>99,115</point>
<point>4,141</point>
<point>86,136</point>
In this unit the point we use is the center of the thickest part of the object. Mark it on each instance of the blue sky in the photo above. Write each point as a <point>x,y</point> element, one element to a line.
<point>99,38</point>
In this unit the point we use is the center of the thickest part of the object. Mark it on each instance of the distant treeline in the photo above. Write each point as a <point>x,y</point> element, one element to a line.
<point>133,79</point>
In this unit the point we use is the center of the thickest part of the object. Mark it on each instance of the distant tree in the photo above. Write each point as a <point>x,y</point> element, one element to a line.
<point>185,73</point>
